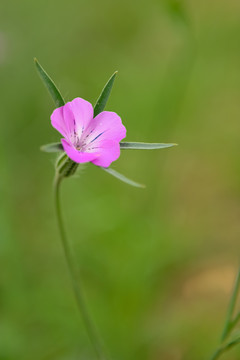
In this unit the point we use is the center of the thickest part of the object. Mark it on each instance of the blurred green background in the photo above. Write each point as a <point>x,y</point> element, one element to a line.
<point>157,264</point>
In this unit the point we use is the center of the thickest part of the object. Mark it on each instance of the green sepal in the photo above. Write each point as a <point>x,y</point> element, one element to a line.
<point>48,82</point>
<point>123,178</point>
<point>60,160</point>
<point>65,167</point>
<point>103,98</point>
<point>144,146</point>
<point>53,147</point>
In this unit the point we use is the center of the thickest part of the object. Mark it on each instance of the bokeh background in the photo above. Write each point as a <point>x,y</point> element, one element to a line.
<point>158,264</point>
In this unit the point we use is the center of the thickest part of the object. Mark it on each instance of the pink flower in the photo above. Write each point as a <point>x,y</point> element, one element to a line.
<point>87,138</point>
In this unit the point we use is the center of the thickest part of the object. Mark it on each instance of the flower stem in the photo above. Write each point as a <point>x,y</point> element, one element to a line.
<point>225,348</point>
<point>89,325</point>
<point>229,324</point>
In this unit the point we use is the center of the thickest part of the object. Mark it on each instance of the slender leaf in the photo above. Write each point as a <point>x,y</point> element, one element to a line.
<point>48,82</point>
<point>103,98</point>
<point>123,178</point>
<point>53,147</point>
<point>144,146</point>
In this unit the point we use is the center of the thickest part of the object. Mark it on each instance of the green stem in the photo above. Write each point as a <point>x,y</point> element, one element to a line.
<point>229,324</point>
<point>225,348</point>
<point>235,321</point>
<point>90,327</point>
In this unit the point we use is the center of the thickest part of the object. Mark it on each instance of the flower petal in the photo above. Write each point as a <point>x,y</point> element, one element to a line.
<point>105,126</point>
<point>63,121</point>
<point>73,117</point>
<point>108,150</point>
<point>83,114</point>
<point>77,156</point>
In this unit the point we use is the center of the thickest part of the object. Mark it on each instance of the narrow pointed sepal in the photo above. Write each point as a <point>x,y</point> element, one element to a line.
<point>103,98</point>
<point>144,146</point>
<point>53,147</point>
<point>49,83</point>
<point>123,178</point>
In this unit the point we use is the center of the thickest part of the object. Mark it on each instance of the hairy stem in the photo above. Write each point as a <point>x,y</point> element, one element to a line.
<point>89,325</point>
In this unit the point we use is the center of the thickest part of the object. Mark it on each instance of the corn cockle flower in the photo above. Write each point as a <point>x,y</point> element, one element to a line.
<point>88,138</point>
<point>90,135</point>
<point>96,139</point>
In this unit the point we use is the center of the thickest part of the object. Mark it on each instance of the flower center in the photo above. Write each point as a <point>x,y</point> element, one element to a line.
<point>85,143</point>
